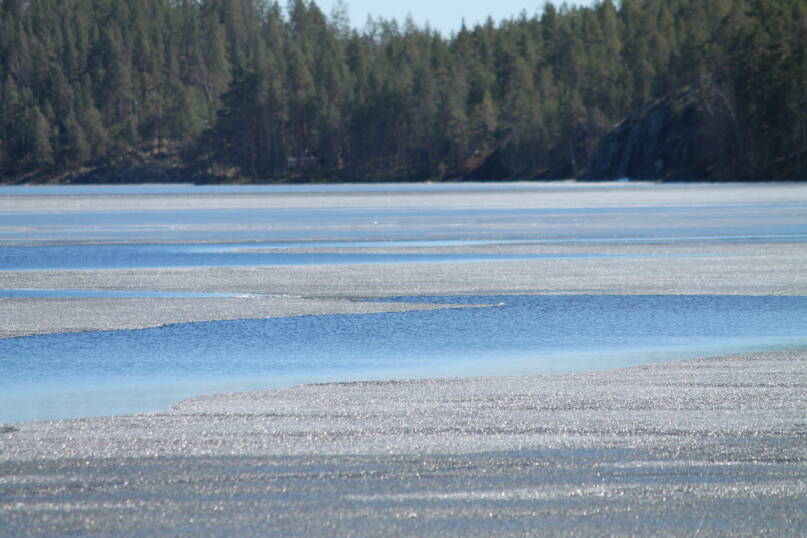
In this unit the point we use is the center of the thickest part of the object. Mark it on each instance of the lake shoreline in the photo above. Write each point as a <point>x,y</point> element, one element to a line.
<point>641,449</point>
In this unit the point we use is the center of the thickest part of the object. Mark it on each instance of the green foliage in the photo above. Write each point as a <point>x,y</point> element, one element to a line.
<point>286,92</point>
<point>76,149</point>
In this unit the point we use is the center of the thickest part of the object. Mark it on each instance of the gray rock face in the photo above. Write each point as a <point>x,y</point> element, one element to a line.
<point>659,142</point>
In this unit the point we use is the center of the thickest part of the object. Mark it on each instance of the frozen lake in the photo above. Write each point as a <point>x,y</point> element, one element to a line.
<point>80,247</point>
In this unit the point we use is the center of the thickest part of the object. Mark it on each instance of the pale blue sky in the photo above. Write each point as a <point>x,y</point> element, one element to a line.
<point>442,15</point>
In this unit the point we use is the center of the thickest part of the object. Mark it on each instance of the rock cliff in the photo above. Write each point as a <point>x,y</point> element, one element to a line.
<point>660,142</point>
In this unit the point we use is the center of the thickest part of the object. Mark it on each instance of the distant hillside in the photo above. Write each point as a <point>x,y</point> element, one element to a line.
<point>235,90</point>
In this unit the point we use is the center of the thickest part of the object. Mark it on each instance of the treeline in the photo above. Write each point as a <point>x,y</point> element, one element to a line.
<point>251,89</point>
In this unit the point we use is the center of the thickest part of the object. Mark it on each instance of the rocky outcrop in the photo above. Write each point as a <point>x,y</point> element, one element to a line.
<point>660,142</point>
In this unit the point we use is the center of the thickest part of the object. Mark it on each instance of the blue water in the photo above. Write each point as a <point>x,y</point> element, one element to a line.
<point>101,373</point>
<point>127,256</point>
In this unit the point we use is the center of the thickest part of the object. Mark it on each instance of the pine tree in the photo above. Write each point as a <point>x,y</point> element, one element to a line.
<point>40,153</point>
<point>76,148</point>
<point>95,131</point>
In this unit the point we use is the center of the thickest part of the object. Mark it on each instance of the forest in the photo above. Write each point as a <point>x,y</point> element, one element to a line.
<point>249,90</point>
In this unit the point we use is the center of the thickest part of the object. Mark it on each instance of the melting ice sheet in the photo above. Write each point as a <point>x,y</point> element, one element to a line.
<point>102,373</point>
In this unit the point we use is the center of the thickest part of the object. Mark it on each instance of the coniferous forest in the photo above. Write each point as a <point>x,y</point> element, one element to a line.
<point>248,89</point>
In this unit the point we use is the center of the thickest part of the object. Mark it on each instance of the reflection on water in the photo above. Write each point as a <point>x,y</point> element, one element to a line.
<point>81,374</point>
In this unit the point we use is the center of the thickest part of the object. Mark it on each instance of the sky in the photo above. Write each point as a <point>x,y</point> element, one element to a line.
<point>443,15</point>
